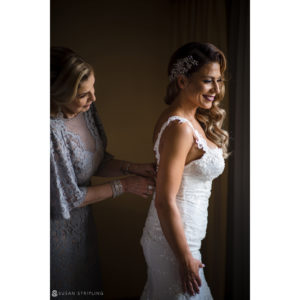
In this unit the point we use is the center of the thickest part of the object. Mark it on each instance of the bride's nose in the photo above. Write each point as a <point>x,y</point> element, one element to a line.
<point>216,87</point>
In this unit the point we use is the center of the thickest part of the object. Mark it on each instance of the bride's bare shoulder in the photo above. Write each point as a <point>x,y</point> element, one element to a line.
<point>164,116</point>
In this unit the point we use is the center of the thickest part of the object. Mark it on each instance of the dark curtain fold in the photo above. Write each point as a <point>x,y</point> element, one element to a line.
<point>238,217</point>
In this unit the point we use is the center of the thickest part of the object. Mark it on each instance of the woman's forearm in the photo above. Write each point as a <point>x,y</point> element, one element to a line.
<point>97,193</point>
<point>172,227</point>
<point>114,168</point>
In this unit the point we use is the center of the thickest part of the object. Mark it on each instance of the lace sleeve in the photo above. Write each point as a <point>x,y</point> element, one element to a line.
<point>65,193</point>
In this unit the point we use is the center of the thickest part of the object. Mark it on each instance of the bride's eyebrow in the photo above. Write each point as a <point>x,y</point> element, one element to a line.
<point>82,93</point>
<point>211,77</point>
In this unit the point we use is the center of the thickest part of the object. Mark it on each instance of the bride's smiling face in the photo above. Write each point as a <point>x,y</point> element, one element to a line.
<point>203,86</point>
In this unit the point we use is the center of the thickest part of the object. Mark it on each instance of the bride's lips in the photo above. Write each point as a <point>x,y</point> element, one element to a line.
<point>209,98</point>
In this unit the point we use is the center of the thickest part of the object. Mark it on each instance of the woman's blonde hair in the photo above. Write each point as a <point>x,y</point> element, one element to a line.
<point>68,71</point>
<point>211,120</point>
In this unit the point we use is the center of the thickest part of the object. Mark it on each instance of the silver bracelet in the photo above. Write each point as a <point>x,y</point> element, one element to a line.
<point>117,188</point>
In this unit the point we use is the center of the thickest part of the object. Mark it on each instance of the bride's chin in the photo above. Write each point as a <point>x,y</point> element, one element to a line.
<point>206,106</point>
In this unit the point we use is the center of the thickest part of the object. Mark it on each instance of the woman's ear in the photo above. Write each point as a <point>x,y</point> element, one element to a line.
<point>182,81</point>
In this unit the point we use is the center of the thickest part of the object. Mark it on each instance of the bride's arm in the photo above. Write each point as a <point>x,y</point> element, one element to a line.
<point>175,145</point>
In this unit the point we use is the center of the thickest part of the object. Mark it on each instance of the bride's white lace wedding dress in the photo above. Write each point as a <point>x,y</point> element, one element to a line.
<point>163,282</point>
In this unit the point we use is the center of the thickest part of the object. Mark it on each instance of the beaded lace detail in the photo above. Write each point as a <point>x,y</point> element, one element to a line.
<point>201,142</point>
<point>192,201</point>
<point>211,164</point>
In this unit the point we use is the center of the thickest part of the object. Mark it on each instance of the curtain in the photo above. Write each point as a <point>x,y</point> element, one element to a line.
<point>238,234</point>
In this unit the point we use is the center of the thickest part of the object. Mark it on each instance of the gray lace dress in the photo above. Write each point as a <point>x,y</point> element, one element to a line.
<point>77,153</point>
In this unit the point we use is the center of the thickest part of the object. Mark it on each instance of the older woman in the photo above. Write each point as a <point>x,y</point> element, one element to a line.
<point>78,152</point>
<point>190,146</point>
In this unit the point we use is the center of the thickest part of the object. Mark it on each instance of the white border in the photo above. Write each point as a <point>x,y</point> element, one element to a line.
<point>275,163</point>
<point>24,222</point>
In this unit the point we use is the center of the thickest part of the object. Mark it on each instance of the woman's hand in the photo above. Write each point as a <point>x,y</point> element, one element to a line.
<point>189,273</point>
<point>147,170</point>
<point>141,186</point>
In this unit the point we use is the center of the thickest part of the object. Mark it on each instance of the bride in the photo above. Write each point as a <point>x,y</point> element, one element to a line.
<point>190,147</point>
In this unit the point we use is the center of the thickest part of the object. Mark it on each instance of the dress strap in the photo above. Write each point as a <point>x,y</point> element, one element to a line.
<point>201,142</point>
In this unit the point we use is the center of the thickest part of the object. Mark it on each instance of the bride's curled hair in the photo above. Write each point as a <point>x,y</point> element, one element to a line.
<point>211,119</point>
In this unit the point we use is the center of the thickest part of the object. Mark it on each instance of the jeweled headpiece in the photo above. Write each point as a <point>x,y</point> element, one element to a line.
<point>182,66</point>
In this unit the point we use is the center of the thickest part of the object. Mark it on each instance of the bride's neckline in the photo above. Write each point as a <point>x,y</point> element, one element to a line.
<point>199,139</point>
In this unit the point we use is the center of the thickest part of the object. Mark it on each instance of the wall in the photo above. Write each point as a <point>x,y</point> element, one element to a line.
<point>129,46</point>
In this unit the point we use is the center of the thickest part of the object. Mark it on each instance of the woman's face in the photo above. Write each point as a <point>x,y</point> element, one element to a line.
<point>84,98</point>
<point>204,85</point>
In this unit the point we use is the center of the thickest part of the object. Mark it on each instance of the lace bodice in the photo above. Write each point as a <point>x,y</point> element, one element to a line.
<point>192,202</point>
<point>195,188</point>
<point>209,166</point>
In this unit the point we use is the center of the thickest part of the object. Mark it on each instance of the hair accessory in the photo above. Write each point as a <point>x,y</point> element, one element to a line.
<point>182,66</point>
<point>117,188</point>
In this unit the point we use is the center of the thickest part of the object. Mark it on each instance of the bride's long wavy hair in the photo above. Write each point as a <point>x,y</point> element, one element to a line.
<point>211,119</point>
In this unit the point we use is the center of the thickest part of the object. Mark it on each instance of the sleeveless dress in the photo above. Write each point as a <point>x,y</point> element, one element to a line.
<point>163,282</point>
<point>77,153</point>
